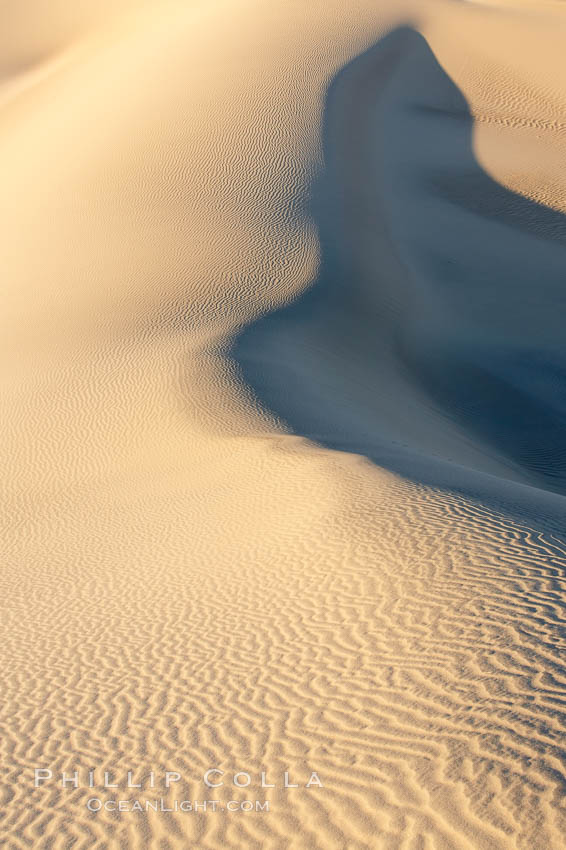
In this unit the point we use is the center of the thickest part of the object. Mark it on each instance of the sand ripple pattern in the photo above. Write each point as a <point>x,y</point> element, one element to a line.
<point>409,648</point>
<point>186,584</point>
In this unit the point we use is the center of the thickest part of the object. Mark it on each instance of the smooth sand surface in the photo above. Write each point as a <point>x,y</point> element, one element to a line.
<point>283,405</point>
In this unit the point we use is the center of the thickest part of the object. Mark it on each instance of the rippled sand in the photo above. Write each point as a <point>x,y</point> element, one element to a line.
<point>283,406</point>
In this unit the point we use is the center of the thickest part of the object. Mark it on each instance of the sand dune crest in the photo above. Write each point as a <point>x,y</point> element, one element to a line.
<point>282,425</point>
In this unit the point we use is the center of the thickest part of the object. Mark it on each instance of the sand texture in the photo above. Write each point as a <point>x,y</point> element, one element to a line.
<point>283,422</point>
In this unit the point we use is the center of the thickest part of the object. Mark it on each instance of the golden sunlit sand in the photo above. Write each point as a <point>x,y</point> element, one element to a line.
<point>283,408</point>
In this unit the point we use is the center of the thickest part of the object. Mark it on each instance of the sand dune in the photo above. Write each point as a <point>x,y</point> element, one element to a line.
<point>429,333</point>
<point>283,424</point>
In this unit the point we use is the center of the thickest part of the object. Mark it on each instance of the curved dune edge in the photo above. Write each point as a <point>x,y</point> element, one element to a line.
<point>422,334</point>
<point>194,576</point>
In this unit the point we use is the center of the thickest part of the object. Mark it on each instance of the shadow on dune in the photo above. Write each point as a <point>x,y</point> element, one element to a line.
<point>435,329</point>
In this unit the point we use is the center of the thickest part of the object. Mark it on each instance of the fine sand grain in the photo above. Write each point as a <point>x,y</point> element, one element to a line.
<point>283,422</point>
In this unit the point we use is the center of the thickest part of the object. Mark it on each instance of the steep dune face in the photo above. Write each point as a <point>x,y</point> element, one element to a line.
<point>487,348</point>
<point>426,314</point>
<point>273,540</point>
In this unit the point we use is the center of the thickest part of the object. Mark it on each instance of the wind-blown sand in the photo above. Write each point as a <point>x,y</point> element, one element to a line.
<point>283,372</point>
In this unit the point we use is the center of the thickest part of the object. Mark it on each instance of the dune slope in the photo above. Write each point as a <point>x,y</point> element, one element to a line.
<point>282,424</point>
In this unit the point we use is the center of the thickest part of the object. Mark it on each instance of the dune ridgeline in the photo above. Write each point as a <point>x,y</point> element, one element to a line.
<point>283,408</point>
